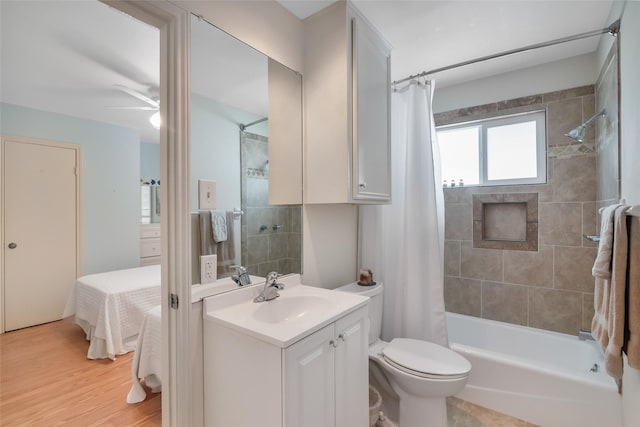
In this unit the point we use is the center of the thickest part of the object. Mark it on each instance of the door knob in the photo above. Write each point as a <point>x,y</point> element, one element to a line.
<point>12,245</point>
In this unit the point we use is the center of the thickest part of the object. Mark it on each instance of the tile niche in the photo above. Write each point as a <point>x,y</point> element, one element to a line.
<point>505,221</point>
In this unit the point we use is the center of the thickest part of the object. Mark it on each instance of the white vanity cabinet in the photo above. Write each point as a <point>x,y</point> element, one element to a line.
<point>320,380</point>
<point>326,376</point>
<point>347,98</point>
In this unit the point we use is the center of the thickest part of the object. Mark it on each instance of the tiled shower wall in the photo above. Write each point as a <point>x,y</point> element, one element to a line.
<point>551,288</point>
<point>271,235</point>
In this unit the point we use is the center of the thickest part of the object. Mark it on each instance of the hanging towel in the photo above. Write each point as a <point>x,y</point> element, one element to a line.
<point>602,265</point>
<point>633,300</point>
<point>219,226</point>
<point>608,324</point>
<point>225,249</point>
<point>207,244</point>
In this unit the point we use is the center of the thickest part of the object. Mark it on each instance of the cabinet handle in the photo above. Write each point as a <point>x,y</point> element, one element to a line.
<point>333,343</point>
<point>341,337</point>
<point>363,184</point>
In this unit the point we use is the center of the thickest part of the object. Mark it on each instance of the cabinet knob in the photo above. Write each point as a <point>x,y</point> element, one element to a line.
<point>363,184</point>
<point>341,337</point>
<point>13,245</point>
<point>333,343</point>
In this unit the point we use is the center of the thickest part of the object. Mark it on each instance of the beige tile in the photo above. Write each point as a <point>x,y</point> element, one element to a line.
<point>573,268</point>
<point>278,246</point>
<point>560,224</point>
<point>588,110</point>
<point>531,201</point>
<point>587,311</point>
<point>568,93</point>
<point>451,258</point>
<point>258,251</point>
<point>563,116</point>
<point>486,417</point>
<point>505,221</point>
<point>458,221</point>
<point>529,268</point>
<point>590,224</point>
<point>575,179</point>
<point>555,310</point>
<point>524,101</point>
<point>479,263</point>
<point>462,295</point>
<point>505,303</point>
<point>457,194</point>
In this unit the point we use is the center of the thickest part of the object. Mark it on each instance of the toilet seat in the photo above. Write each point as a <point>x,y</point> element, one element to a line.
<point>425,359</point>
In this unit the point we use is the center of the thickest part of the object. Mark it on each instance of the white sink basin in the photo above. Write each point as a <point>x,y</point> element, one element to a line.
<point>291,308</point>
<point>299,311</point>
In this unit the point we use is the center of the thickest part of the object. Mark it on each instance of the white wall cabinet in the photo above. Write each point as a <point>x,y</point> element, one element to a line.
<point>347,98</point>
<point>321,380</point>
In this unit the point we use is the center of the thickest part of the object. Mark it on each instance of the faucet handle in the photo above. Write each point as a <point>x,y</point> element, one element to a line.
<point>272,280</point>
<point>273,276</point>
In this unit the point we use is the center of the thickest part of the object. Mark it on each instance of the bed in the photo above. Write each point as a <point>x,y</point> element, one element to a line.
<point>146,363</point>
<point>110,307</point>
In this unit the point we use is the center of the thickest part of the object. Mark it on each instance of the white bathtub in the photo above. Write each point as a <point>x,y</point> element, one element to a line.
<point>539,376</point>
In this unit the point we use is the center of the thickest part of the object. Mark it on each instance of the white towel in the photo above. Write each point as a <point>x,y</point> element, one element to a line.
<point>602,265</point>
<point>219,226</point>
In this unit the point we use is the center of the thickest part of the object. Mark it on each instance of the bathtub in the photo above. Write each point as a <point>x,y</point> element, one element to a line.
<point>539,376</point>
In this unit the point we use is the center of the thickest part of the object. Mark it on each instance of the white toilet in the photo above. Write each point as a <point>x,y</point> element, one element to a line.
<point>421,373</point>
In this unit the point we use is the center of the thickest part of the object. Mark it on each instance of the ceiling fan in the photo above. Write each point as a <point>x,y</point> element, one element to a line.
<point>153,104</point>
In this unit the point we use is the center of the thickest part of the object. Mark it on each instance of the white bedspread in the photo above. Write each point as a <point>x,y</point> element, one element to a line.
<point>147,358</point>
<point>111,306</point>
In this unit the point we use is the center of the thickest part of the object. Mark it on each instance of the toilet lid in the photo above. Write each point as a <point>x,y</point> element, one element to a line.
<point>424,357</point>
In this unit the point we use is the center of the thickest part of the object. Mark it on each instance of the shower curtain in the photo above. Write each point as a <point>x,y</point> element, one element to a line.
<point>403,243</point>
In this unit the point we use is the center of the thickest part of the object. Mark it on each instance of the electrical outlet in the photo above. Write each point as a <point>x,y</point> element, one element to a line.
<point>208,269</point>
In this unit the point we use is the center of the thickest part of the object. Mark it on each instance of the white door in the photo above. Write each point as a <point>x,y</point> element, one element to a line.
<point>41,213</point>
<point>352,369</point>
<point>309,381</point>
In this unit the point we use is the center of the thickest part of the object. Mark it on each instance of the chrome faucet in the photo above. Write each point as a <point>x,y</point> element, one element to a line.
<point>242,276</point>
<point>271,288</point>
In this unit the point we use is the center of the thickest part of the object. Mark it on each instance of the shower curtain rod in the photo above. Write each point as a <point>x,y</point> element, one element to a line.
<point>243,127</point>
<point>612,29</point>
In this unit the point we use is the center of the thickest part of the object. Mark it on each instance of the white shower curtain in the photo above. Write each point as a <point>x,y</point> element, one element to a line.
<point>403,243</point>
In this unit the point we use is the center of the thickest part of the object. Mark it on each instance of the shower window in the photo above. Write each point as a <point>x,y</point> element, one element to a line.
<point>505,150</point>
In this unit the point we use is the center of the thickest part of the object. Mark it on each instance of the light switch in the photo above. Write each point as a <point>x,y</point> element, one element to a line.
<point>206,194</point>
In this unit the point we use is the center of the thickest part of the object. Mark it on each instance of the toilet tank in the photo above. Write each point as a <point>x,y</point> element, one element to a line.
<point>375,305</point>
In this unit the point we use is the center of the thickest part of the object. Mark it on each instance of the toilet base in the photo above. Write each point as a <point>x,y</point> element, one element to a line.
<point>422,412</point>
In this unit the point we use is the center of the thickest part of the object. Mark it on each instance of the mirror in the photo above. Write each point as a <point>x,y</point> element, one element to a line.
<point>246,127</point>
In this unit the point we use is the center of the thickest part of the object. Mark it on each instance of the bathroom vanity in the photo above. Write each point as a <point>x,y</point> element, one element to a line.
<point>298,360</point>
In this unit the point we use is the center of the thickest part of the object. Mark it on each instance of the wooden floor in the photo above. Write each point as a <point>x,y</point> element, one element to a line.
<point>46,380</point>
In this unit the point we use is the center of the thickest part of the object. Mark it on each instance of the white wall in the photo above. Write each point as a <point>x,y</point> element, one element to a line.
<point>110,182</point>
<point>571,72</point>
<point>149,160</point>
<point>330,245</point>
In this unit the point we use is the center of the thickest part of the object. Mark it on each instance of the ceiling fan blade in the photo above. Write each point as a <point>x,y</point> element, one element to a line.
<point>134,108</point>
<point>138,95</point>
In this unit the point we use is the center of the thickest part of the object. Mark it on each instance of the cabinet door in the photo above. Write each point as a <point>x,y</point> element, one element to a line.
<point>309,381</point>
<point>352,369</point>
<point>371,169</point>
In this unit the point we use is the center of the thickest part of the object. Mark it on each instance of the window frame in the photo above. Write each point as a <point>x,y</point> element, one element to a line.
<point>539,116</point>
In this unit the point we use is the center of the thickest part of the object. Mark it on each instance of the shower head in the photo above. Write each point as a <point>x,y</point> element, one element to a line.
<point>578,133</point>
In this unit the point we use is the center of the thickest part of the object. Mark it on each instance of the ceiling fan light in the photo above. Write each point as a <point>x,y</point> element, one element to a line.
<point>155,120</point>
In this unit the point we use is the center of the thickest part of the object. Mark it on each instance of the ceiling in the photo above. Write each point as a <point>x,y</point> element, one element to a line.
<point>70,66</point>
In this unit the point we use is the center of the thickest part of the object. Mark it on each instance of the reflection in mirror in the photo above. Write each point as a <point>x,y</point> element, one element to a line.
<point>230,146</point>
<point>149,201</point>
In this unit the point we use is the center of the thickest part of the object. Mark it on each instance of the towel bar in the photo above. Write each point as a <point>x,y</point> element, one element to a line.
<point>591,237</point>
